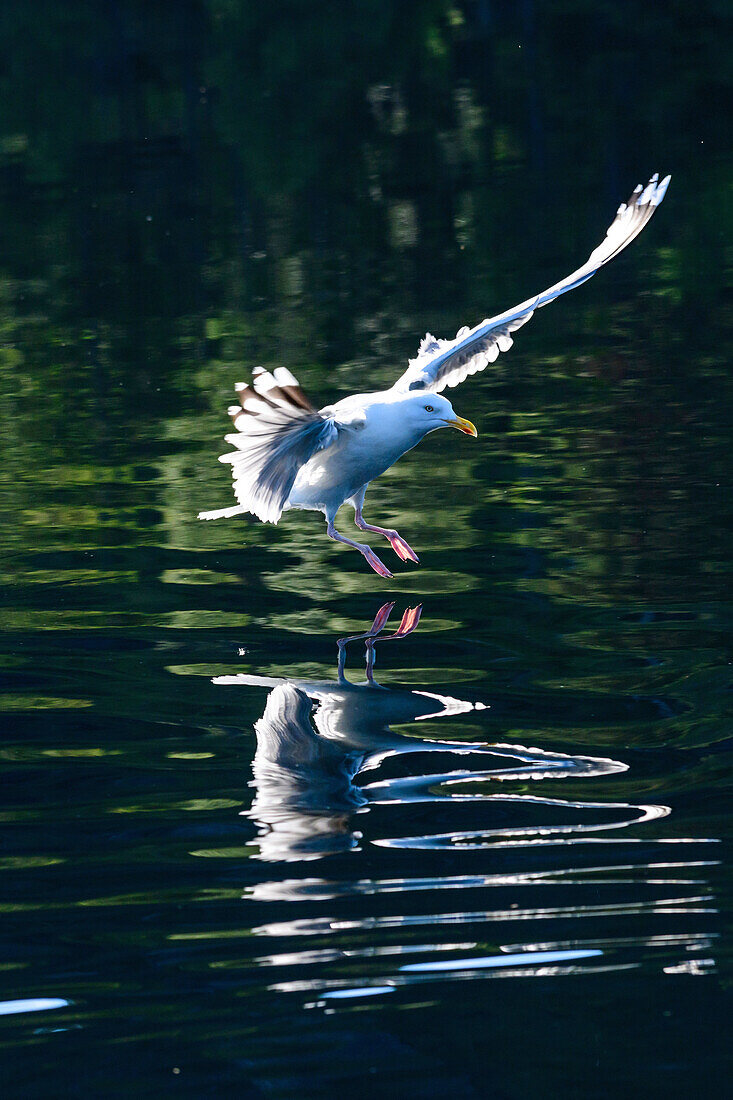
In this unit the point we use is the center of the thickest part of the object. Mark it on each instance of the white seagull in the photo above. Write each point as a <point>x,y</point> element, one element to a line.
<point>288,454</point>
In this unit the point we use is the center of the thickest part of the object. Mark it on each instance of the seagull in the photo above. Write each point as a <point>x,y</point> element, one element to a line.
<point>288,454</point>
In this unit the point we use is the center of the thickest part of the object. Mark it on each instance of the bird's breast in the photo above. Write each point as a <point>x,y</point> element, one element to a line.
<point>341,469</point>
<point>370,452</point>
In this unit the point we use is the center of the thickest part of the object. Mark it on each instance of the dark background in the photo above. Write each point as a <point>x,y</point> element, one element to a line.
<point>188,190</point>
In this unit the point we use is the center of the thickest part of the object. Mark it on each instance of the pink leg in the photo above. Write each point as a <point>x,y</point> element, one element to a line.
<point>401,548</point>
<point>377,565</point>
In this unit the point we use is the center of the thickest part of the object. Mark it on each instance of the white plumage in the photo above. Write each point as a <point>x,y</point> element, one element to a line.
<point>287,454</point>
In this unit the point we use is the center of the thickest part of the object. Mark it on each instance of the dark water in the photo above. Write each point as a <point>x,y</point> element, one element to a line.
<point>500,874</point>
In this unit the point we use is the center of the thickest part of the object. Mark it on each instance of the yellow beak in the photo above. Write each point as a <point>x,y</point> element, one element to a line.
<point>464,426</point>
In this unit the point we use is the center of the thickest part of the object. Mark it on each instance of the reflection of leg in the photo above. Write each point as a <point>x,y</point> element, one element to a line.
<point>410,619</point>
<point>380,621</point>
<point>401,548</point>
<point>371,557</point>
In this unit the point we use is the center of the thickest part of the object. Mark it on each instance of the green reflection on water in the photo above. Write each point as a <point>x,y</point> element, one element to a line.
<point>188,191</point>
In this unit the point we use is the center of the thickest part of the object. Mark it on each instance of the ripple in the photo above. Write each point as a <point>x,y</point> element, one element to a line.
<point>365,991</point>
<point>314,889</point>
<point>326,926</point>
<point>465,839</point>
<point>494,961</point>
<point>32,1004</point>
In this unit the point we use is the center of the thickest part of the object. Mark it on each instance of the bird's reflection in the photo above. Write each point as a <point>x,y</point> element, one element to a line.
<point>562,886</point>
<point>316,736</point>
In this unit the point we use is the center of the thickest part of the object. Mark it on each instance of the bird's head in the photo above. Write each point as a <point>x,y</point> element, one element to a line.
<point>427,412</point>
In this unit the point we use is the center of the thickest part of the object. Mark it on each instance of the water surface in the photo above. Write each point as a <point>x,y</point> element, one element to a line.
<point>497,870</point>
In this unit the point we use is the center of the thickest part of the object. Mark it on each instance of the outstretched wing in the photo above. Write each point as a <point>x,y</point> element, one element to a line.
<point>441,363</point>
<point>278,431</point>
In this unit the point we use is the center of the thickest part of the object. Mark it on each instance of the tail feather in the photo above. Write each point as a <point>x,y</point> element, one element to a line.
<point>277,431</point>
<point>223,513</point>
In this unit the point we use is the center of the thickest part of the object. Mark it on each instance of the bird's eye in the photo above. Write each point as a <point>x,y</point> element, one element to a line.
<point>429,409</point>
